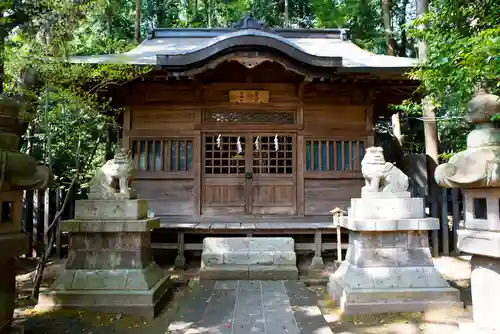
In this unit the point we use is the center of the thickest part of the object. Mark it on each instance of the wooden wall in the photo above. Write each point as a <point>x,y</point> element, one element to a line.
<point>333,126</point>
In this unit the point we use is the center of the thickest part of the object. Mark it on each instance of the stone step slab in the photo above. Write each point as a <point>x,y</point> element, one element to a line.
<point>248,258</point>
<point>235,244</point>
<point>249,272</point>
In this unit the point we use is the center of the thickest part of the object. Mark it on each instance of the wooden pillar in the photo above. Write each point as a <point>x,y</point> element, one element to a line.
<point>28,219</point>
<point>370,140</point>
<point>127,116</point>
<point>46,220</point>
<point>455,195</point>
<point>299,172</point>
<point>197,166</point>
<point>444,222</point>
<point>300,175</point>
<point>59,194</point>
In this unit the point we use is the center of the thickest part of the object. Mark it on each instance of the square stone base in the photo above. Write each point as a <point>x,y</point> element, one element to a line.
<point>485,289</point>
<point>249,272</point>
<point>143,303</point>
<point>389,271</point>
<point>355,301</point>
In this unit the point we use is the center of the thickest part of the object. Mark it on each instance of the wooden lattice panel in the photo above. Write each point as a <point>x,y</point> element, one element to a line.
<point>334,155</point>
<point>269,159</point>
<point>249,117</point>
<point>170,155</point>
<point>224,159</point>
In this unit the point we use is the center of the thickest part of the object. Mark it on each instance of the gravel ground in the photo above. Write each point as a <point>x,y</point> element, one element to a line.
<point>456,270</point>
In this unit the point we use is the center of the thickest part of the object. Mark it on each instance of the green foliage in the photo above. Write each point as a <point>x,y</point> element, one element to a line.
<point>363,18</point>
<point>66,104</point>
<point>463,53</point>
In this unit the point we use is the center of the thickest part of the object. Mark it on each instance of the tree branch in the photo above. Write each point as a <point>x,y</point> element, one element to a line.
<point>37,281</point>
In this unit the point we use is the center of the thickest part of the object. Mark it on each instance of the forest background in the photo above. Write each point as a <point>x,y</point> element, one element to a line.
<point>66,128</point>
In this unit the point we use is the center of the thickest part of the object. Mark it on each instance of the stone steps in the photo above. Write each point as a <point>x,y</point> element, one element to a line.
<point>248,258</point>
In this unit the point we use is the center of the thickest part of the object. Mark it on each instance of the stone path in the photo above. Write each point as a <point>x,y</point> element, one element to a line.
<point>244,307</point>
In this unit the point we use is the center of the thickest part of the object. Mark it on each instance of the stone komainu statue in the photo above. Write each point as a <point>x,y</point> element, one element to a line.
<point>114,175</point>
<point>381,176</point>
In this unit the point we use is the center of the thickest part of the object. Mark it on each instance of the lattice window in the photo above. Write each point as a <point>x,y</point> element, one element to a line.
<point>249,117</point>
<point>271,159</point>
<point>172,155</point>
<point>332,155</point>
<point>229,158</point>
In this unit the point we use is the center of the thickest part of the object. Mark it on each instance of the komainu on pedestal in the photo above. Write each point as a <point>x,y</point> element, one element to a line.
<point>388,265</point>
<point>477,171</point>
<point>110,264</point>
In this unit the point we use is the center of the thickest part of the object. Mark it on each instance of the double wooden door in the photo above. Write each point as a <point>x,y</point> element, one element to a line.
<point>249,173</point>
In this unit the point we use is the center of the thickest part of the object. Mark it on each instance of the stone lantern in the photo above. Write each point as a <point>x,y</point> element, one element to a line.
<point>477,171</point>
<point>18,172</point>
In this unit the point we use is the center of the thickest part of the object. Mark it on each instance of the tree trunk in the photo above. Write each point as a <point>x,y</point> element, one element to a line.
<point>386,11</point>
<point>404,38</point>
<point>137,21</point>
<point>2,51</point>
<point>286,12</point>
<point>431,138</point>
<point>422,8</point>
<point>209,13</point>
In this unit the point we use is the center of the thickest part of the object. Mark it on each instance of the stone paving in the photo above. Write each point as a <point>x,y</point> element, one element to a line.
<point>241,307</point>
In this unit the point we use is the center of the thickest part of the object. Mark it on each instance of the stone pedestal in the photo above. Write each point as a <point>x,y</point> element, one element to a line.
<point>110,265</point>
<point>388,266</point>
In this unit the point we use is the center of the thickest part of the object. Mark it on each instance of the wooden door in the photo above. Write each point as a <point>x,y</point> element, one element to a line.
<point>224,167</point>
<point>272,188</point>
<point>248,174</point>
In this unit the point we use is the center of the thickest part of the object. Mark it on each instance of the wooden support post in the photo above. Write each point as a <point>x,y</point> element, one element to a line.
<point>46,220</point>
<point>339,244</point>
<point>180,260</point>
<point>28,219</point>
<point>455,195</point>
<point>444,222</point>
<point>317,265</point>
<point>38,223</point>
<point>58,224</point>
<point>434,233</point>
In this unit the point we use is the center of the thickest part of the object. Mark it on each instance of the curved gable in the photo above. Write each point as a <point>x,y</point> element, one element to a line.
<point>243,39</point>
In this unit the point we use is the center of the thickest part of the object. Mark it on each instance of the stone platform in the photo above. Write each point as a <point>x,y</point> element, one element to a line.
<point>248,258</point>
<point>388,265</point>
<point>245,307</point>
<point>110,264</point>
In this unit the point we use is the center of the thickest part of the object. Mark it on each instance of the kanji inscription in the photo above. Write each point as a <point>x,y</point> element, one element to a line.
<point>249,96</point>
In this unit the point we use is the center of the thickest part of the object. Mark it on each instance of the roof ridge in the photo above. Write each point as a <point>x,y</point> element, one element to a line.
<point>333,33</point>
